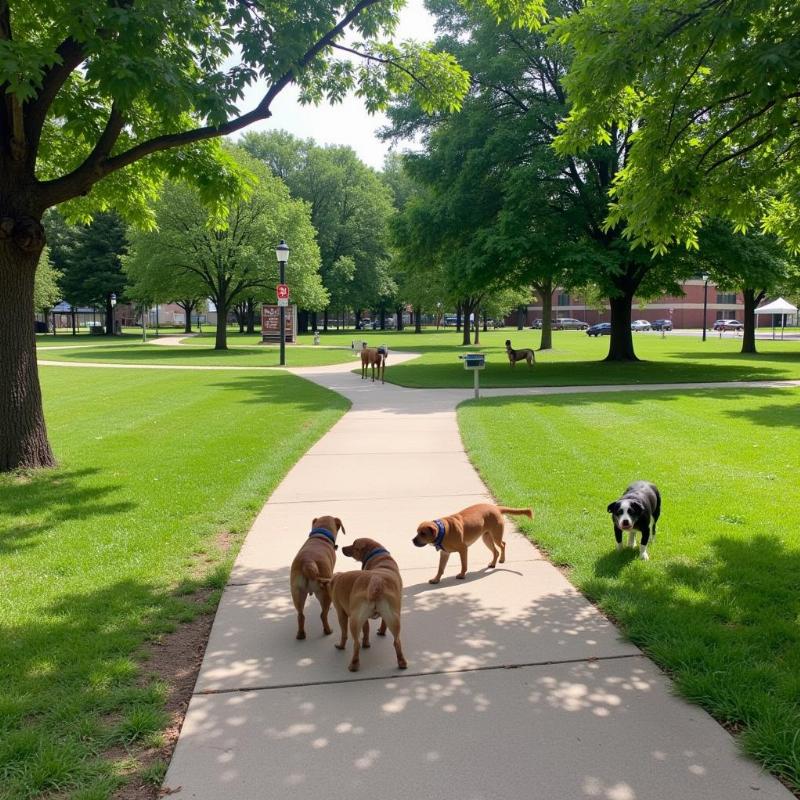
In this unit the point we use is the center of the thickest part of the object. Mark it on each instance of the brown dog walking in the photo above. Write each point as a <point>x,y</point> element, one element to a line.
<point>376,590</point>
<point>312,568</point>
<point>454,534</point>
<point>373,357</point>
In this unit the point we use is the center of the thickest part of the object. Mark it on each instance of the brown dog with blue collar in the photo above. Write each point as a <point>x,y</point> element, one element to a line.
<point>376,590</point>
<point>312,568</point>
<point>454,534</point>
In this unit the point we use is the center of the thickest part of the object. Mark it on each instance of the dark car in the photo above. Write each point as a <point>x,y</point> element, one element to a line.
<point>601,329</point>
<point>661,325</point>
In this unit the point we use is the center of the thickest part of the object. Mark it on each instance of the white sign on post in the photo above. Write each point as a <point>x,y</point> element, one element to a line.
<point>283,301</point>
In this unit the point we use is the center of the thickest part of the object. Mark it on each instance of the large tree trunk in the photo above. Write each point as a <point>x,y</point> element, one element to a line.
<point>382,317</point>
<point>109,316</point>
<point>620,348</point>
<point>417,320</point>
<point>221,339</point>
<point>23,434</point>
<point>477,325</point>
<point>187,310</point>
<point>358,319</point>
<point>239,311</point>
<point>458,319</point>
<point>251,315</point>
<point>546,291</point>
<point>302,321</point>
<point>325,320</point>
<point>399,314</point>
<point>467,310</point>
<point>751,301</point>
<point>313,320</point>
<point>520,318</point>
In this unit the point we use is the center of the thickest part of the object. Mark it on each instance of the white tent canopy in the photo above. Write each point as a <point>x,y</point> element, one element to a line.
<point>779,306</point>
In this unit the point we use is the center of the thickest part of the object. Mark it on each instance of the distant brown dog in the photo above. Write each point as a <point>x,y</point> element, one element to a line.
<point>374,591</point>
<point>519,355</point>
<point>454,534</point>
<point>312,569</point>
<point>373,357</point>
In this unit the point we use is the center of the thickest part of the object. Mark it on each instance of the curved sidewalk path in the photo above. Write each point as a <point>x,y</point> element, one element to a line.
<point>517,687</point>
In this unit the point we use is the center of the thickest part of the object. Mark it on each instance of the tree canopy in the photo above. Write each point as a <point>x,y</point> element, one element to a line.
<point>710,91</point>
<point>234,259</point>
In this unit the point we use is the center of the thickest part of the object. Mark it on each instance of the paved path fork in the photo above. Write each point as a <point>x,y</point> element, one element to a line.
<point>517,687</point>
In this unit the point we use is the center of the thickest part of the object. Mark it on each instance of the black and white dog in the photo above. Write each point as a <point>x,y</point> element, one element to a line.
<point>634,511</point>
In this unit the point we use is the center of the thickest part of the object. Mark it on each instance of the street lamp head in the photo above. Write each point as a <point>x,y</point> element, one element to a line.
<point>282,252</point>
<point>705,278</point>
<point>113,299</point>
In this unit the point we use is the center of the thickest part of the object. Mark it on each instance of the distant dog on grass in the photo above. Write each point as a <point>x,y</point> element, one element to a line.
<point>373,357</point>
<point>519,355</point>
<point>633,512</point>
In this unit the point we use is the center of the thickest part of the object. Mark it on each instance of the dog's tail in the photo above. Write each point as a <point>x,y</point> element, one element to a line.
<point>310,571</point>
<point>525,512</point>
<point>375,588</point>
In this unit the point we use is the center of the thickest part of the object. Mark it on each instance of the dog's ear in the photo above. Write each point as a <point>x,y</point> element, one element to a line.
<point>613,507</point>
<point>339,525</point>
<point>314,522</point>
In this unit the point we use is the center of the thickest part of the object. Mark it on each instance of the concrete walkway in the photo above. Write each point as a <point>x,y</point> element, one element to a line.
<point>516,687</point>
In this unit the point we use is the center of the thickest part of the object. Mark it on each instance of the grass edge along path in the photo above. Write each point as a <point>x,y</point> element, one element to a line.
<point>717,605</point>
<point>130,539</point>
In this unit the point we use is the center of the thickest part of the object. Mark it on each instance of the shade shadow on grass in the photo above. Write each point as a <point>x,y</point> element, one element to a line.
<point>72,688</point>
<point>583,373</point>
<point>52,497</point>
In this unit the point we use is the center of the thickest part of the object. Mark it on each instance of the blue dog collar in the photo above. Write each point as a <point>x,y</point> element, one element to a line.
<point>323,533</point>
<point>372,553</point>
<point>437,542</point>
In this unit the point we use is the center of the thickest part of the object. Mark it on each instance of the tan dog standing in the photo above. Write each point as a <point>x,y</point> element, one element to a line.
<point>312,568</point>
<point>372,357</point>
<point>374,591</point>
<point>526,354</point>
<point>454,534</point>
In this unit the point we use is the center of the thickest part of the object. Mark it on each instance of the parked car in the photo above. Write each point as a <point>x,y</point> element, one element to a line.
<point>537,324</point>
<point>601,329</point>
<point>661,325</point>
<point>570,324</point>
<point>728,325</point>
<point>450,320</point>
<point>640,325</point>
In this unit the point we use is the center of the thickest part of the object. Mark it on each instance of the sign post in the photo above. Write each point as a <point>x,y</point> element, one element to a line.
<point>271,323</point>
<point>282,291</point>
<point>475,362</point>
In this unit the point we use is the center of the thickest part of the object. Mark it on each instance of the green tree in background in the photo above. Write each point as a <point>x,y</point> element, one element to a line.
<point>350,208</point>
<point>712,89</point>
<point>46,289</point>
<point>234,259</point>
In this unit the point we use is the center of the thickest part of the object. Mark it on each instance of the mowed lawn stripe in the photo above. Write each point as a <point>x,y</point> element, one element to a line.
<point>718,605</point>
<point>159,476</point>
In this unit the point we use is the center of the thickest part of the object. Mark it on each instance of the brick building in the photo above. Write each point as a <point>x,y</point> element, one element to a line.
<point>685,311</point>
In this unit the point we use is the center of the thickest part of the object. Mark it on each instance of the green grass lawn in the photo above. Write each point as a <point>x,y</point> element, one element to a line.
<point>718,604</point>
<point>137,352</point>
<point>121,543</point>
<point>577,359</point>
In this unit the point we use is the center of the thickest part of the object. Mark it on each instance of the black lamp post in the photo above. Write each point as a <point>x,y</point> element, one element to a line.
<point>282,252</point>
<point>705,304</point>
